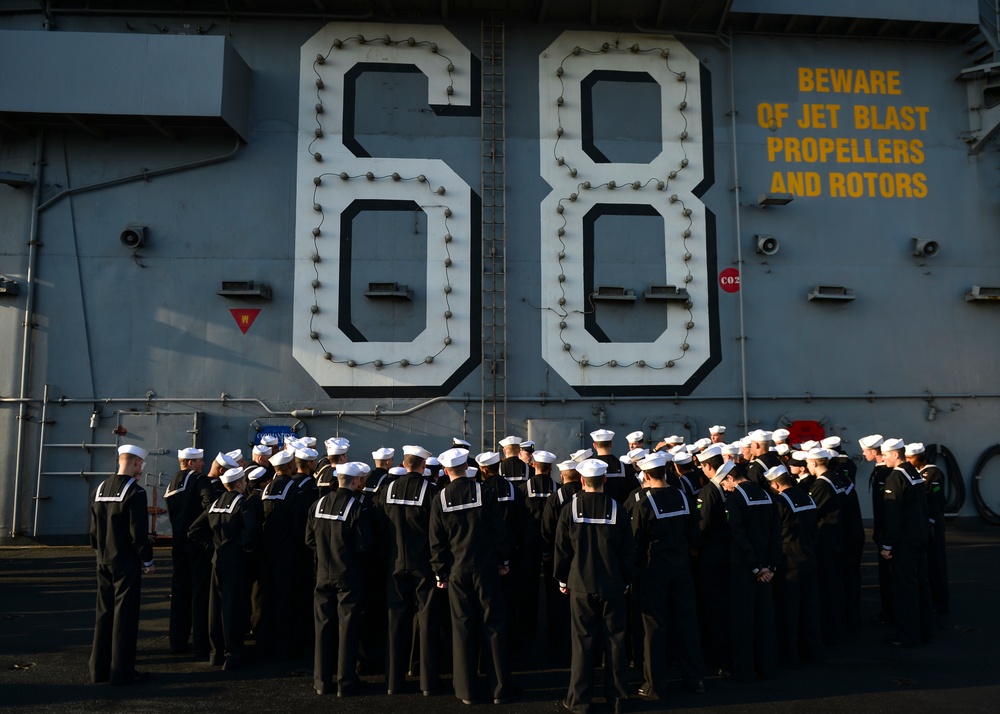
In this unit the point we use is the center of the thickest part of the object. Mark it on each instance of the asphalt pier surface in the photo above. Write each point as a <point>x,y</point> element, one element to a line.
<point>47,614</point>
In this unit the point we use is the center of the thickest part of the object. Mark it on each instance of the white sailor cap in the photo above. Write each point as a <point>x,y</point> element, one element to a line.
<point>309,441</point>
<point>674,440</point>
<point>226,460</point>
<point>730,450</point>
<point>235,455</point>
<point>745,442</point>
<point>820,453</point>
<point>782,449</point>
<point>231,475</point>
<point>774,472</point>
<point>915,448</point>
<point>703,443</point>
<point>636,454</point>
<point>294,443</point>
<point>306,454</point>
<point>800,456</point>
<point>348,469</point>
<point>269,440</point>
<point>682,457</point>
<point>544,457</point>
<point>510,441</point>
<point>256,473</point>
<point>893,445</point>
<point>677,449</point>
<point>602,435</point>
<point>471,472</point>
<point>281,458</point>
<point>397,471</point>
<point>261,449</point>
<point>652,461</point>
<point>413,450</point>
<point>723,471</point>
<point>364,468</point>
<point>830,442</point>
<point>717,429</point>
<point>336,446</point>
<point>780,434</point>
<point>454,457</point>
<point>625,459</point>
<point>592,467</point>
<point>190,454</point>
<point>487,458</point>
<point>809,445</point>
<point>634,436</point>
<point>760,436</point>
<point>581,455</point>
<point>708,453</point>
<point>569,465</point>
<point>527,445</point>
<point>431,461</point>
<point>872,441</point>
<point>383,454</point>
<point>692,448</point>
<point>455,441</point>
<point>133,450</point>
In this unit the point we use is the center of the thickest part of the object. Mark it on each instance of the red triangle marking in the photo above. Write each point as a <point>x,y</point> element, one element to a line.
<point>244,317</point>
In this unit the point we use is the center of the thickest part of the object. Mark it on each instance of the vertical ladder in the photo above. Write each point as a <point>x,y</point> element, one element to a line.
<point>494,294</point>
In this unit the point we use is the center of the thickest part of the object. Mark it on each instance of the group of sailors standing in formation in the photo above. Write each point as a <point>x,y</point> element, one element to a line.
<point>732,558</point>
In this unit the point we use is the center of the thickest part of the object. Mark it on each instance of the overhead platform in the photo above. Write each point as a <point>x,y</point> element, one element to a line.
<point>103,82</point>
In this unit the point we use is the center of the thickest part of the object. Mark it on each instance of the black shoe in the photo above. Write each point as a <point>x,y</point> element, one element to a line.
<point>231,664</point>
<point>564,705</point>
<point>325,689</point>
<point>723,672</point>
<point>697,686</point>
<point>468,702</point>
<point>620,705</point>
<point>646,692</point>
<point>506,694</point>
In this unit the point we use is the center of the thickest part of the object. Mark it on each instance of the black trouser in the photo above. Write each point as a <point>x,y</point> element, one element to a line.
<point>477,611</point>
<point>407,592</point>
<point>183,600</point>
<point>911,594</point>
<point>852,582</point>
<point>274,636</point>
<point>337,615</point>
<point>713,605</point>
<point>227,605</point>
<point>751,625</point>
<point>830,569</point>
<point>596,620</point>
<point>797,614</point>
<point>201,587</point>
<point>937,569</point>
<point>371,649</point>
<point>116,626</point>
<point>668,608</point>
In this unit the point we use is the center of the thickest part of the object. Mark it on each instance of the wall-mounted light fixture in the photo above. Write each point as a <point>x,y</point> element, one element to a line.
<point>614,293</point>
<point>832,293</point>
<point>245,290</point>
<point>666,292</point>
<point>774,199</point>
<point>982,293</point>
<point>16,180</point>
<point>8,286</point>
<point>388,291</point>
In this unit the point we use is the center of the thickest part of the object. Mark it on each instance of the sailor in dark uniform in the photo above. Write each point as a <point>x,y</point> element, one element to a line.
<point>717,434</point>
<point>828,494</point>
<point>665,526</point>
<point>616,484</point>
<point>512,467</point>
<point>325,472</point>
<point>304,494</point>
<point>469,554</point>
<point>558,615</point>
<point>904,544</point>
<point>796,587</point>
<point>274,635</point>
<point>119,533</point>
<point>383,459</point>
<point>870,450</point>
<point>184,506</point>
<point>257,479</point>
<point>259,455</point>
<point>537,489</point>
<point>755,529</point>
<point>340,532</point>
<point>405,514</point>
<point>762,458</point>
<point>780,436</point>
<point>937,565</point>
<point>853,528</point>
<point>712,563</point>
<point>230,529</point>
<point>594,559</point>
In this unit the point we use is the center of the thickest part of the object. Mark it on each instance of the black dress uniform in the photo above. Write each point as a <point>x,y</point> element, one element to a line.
<point>275,630</point>
<point>594,558</point>
<point>304,495</point>
<point>119,533</point>
<point>665,526</point>
<point>510,500</point>
<point>339,530</point>
<point>406,509</point>
<point>468,544</point>
<point>559,613</point>
<point>537,489</point>
<point>937,565</point>
<point>876,486</point>
<point>712,575</point>
<point>756,544</point>
<point>796,586</point>
<point>759,465</point>
<point>183,500</point>
<point>830,556</point>
<point>905,536</point>
<point>854,538</point>
<point>231,529</point>
<point>617,484</point>
<point>374,565</point>
<point>326,477</point>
